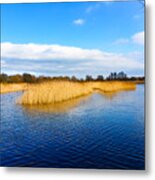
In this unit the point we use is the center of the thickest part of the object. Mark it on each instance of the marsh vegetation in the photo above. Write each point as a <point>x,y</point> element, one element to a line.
<point>60,91</point>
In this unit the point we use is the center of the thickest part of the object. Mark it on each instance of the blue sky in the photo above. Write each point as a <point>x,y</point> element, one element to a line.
<point>73,38</point>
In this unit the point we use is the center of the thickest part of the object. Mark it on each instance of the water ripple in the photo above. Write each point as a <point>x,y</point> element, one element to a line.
<point>98,132</point>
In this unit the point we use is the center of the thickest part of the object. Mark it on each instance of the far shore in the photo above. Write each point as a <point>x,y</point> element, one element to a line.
<point>15,87</point>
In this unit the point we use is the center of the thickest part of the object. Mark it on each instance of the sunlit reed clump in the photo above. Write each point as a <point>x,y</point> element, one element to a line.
<point>56,107</point>
<point>12,87</point>
<point>53,92</point>
<point>60,91</point>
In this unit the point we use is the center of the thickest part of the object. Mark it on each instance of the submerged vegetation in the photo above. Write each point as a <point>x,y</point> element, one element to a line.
<point>59,91</point>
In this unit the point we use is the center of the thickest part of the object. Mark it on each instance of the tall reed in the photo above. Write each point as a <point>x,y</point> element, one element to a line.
<point>59,91</point>
<point>12,87</point>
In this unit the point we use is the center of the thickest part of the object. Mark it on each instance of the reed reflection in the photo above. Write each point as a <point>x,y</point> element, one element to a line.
<point>61,107</point>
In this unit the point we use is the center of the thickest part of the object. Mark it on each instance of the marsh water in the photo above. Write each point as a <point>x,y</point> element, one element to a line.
<point>98,131</point>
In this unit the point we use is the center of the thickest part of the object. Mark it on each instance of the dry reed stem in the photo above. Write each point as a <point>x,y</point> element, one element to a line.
<point>6,88</point>
<point>60,91</point>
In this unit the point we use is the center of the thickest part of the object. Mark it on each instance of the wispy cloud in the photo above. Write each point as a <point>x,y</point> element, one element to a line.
<point>137,16</point>
<point>98,5</point>
<point>91,8</point>
<point>138,38</point>
<point>121,41</point>
<point>79,22</point>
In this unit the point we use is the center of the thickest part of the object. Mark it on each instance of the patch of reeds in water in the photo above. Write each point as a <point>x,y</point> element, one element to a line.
<point>60,91</point>
<point>56,107</point>
<point>12,87</point>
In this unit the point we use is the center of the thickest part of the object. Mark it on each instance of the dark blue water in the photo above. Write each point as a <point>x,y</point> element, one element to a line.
<point>95,132</point>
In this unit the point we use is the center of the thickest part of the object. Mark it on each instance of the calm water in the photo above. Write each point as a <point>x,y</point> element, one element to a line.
<point>95,132</point>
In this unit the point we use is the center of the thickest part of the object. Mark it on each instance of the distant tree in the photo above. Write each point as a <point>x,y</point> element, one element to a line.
<point>40,78</point>
<point>114,75</point>
<point>111,76</point>
<point>73,78</point>
<point>133,78</point>
<point>89,78</point>
<point>121,75</point>
<point>43,78</point>
<point>4,78</point>
<point>142,78</point>
<point>66,78</point>
<point>100,78</point>
<point>16,78</point>
<point>29,78</point>
<point>81,80</point>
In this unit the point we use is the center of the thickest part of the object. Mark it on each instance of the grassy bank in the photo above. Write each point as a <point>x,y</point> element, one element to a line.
<point>59,91</point>
<point>12,87</point>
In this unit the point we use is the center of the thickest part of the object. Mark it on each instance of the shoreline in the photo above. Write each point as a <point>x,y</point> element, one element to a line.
<point>15,87</point>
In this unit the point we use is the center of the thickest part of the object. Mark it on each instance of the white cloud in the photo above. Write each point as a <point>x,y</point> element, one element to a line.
<point>138,38</point>
<point>44,51</point>
<point>79,22</point>
<point>138,55</point>
<point>70,58</point>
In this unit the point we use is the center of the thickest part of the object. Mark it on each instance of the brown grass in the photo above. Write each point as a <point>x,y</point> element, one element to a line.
<point>6,88</point>
<point>60,91</point>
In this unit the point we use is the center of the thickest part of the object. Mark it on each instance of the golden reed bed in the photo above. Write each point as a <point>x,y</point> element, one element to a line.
<point>6,88</point>
<point>59,91</point>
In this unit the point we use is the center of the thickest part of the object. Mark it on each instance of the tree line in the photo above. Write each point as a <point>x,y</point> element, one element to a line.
<point>29,78</point>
